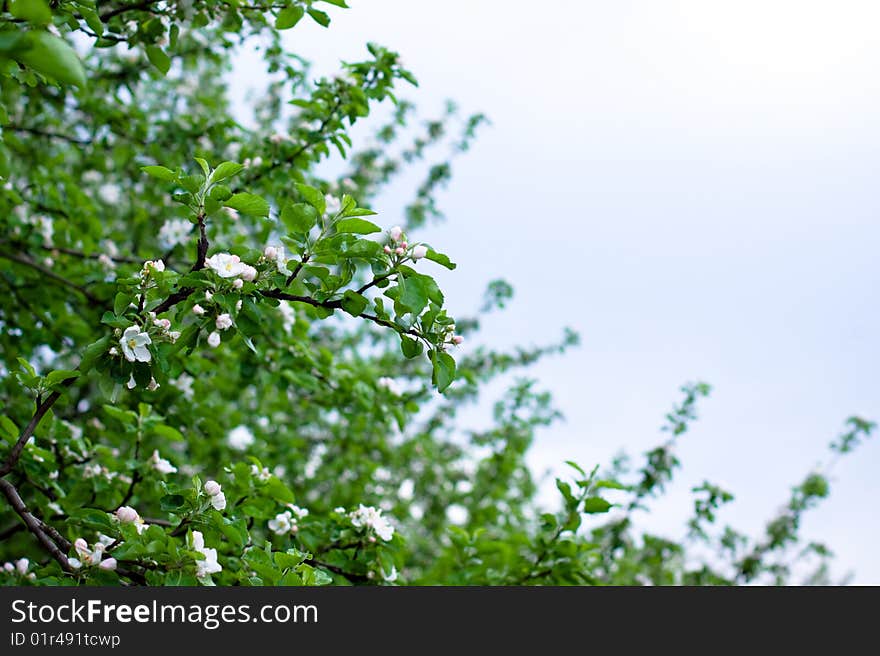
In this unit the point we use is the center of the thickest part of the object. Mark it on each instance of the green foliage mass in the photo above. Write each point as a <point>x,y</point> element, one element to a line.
<point>219,367</point>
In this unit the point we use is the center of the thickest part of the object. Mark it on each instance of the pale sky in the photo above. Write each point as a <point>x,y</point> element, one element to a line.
<point>691,186</point>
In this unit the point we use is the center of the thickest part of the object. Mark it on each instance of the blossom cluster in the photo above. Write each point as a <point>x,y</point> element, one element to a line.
<point>91,556</point>
<point>215,495</point>
<point>209,564</point>
<point>370,519</point>
<point>400,247</point>
<point>287,521</point>
<point>20,567</point>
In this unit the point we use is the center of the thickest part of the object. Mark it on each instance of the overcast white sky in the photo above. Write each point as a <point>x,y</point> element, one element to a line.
<point>692,186</point>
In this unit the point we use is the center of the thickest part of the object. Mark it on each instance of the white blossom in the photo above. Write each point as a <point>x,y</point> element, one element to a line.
<point>174,232</point>
<point>396,233</point>
<point>214,339</point>
<point>371,518</point>
<point>22,565</point>
<point>213,488</point>
<point>282,523</point>
<point>134,344</point>
<point>218,501</point>
<point>152,265</point>
<point>240,438</point>
<point>278,138</point>
<point>225,265</point>
<point>223,321</point>
<point>108,563</point>
<point>198,310</point>
<point>248,273</point>
<point>298,512</point>
<point>209,564</point>
<point>391,576</point>
<point>419,252</point>
<point>231,212</point>
<point>128,515</point>
<point>161,465</point>
<point>261,474</point>
<point>238,283</point>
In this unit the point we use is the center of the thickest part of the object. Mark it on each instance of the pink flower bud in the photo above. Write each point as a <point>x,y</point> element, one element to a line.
<point>396,233</point>
<point>238,283</point>
<point>124,514</point>
<point>249,273</point>
<point>403,244</point>
<point>108,563</point>
<point>399,250</point>
<point>212,488</point>
<point>270,252</point>
<point>458,339</point>
<point>198,309</point>
<point>387,250</point>
<point>419,252</point>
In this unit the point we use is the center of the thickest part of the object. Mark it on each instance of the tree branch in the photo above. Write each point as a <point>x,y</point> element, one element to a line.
<point>25,260</point>
<point>335,305</point>
<point>49,135</point>
<point>34,525</point>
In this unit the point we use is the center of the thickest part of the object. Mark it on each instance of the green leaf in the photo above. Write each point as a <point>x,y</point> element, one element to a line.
<point>411,347</point>
<point>120,304</point>
<point>249,204</point>
<point>353,303</point>
<point>440,259</point>
<point>61,375</point>
<point>413,296</point>
<point>596,505</point>
<point>299,217</point>
<point>51,56</point>
<point>288,17</point>
<point>444,369</point>
<point>225,170</point>
<point>159,59</point>
<point>8,429</point>
<point>319,17</point>
<point>312,196</point>
<point>35,12</point>
<point>288,560</point>
<point>168,432</point>
<point>124,417</point>
<point>357,226</point>
<point>92,353</point>
<point>171,502</point>
<point>160,172</point>
<point>206,169</point>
